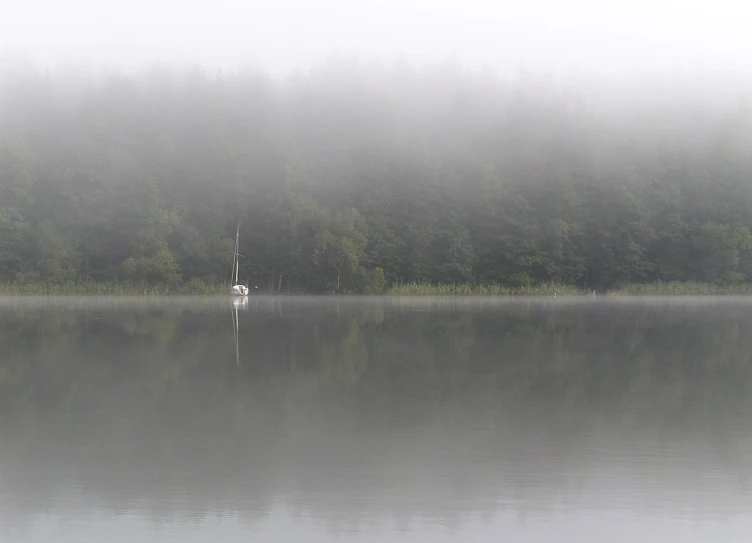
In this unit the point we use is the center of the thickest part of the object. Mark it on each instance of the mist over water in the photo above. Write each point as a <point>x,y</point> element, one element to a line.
<point>366,418</point>
<point>363,148</point>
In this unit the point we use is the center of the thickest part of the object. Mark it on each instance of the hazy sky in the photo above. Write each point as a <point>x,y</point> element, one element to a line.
<point>599,35</point>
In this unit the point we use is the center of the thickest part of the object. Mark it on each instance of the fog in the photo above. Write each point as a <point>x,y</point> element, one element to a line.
<point>362,145</point>
<point>574,36</point>
<point>375,147</point>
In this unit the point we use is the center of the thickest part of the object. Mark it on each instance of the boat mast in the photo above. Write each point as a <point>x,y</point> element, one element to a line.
<point>232,271</point>
<point>236,258</point>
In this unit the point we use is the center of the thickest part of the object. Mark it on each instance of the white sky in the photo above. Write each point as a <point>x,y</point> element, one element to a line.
<point>279,35</point>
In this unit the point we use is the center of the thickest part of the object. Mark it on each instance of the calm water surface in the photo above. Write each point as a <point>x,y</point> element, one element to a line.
<point>375,419</point>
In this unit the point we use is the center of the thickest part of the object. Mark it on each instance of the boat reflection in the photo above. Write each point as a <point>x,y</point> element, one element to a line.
<point>237,303</point>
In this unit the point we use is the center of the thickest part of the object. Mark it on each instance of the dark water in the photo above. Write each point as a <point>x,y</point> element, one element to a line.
<point>376,420</point>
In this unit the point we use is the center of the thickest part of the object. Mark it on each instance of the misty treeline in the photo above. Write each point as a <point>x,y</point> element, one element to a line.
<point>352,177</point>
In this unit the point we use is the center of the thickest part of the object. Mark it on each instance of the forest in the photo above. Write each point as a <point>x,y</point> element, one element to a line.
<point>353,177</point>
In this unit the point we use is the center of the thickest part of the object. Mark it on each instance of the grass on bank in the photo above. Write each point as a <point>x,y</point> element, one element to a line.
<point>657,288</point>
<point>493,289</point>
<point>678,288</point>
<point>108,288</point>
<point>198,287</point>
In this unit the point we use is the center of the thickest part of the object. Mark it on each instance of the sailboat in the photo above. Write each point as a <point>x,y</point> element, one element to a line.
<point>237,289</point>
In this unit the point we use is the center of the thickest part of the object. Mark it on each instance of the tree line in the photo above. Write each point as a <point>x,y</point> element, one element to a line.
<point>353,177</point>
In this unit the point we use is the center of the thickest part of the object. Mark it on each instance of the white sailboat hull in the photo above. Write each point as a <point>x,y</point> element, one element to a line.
<point>239,290</point>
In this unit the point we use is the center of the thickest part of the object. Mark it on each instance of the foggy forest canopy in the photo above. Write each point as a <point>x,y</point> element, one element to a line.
<point>354,176</point>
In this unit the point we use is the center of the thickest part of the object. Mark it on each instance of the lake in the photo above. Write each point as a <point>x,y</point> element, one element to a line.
<point>375,419</point>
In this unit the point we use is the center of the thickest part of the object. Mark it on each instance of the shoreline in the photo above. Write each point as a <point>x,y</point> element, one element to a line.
<point>193,288</point>
<point>658,288</point>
